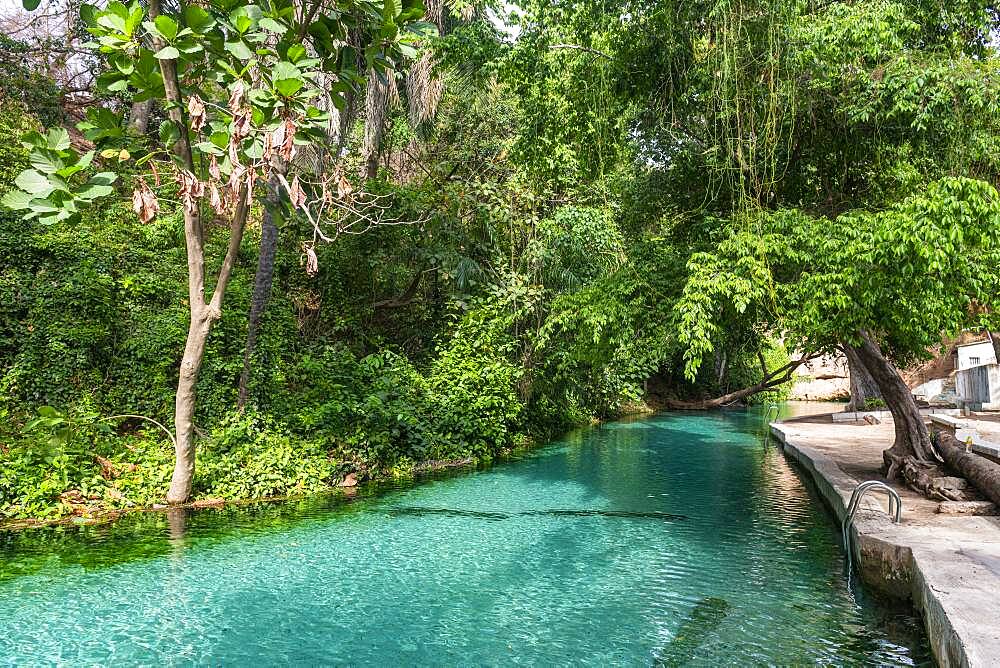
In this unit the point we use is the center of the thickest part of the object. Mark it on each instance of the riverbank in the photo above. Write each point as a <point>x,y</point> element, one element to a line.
<point>947,565</point>
<point>90,514</point>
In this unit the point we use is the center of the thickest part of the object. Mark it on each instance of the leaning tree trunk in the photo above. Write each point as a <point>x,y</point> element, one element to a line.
<point>863,386</point>
<point>981,472</point>
<point>263,279</point>
<point>912,447</point>
<point>771,380</point>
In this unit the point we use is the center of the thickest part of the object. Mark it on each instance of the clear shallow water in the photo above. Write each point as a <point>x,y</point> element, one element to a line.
<point>675,540</point>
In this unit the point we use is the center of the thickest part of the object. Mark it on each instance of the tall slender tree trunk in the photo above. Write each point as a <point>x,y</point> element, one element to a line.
<point>184,407</point>
<point>263,279</point>
<point>863,386</point>
<point>376,110</point>
<point>138,118</point>
<point>203,314</point>
<point>912,445</point>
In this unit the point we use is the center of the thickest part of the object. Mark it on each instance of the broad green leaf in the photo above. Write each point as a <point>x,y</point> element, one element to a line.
<point>296,52</point>
<point>104,178</point>
<point>45,161</point>
<point>88,13</point>
<point>57,139</point>
<point>288,87</point>
<point>81,165</point>
<point>166,26</point>
<point>16,200</point>
<point>134,19</point>
<point>392,8</point>
<point>111,21</point>
<point>209,147</point>
<point>197,18</point>
<point>32,182</point>
<point>167,53</point>
<point>271,25</point>
<point>92,191</point>
<point>30,5</point>
<point>239,49</point>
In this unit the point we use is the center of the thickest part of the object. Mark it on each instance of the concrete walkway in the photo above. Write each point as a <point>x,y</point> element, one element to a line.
<point>949,565</point>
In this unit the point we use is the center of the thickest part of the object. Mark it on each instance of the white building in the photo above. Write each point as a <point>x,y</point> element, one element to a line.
<point>976,354</point>
<point>977,378</point>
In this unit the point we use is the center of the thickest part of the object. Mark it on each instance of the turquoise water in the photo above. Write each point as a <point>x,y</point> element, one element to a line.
<point>675,540</point>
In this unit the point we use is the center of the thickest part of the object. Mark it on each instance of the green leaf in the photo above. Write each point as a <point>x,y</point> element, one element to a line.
<point>81,165</point>
<point>209,147</point>
<point>287,78</point>
<point>392,8</point>
<point>134,20</point>
<point>30,5</point>
<point>32,182</point>
<point>166,26</point>
<point>16,200</point>
<point>271,25</point>
<point>45,162</point>
<point>296,52</point>
<point>57,139</point>
<point>288,87</point>
<point>197,19</point>
<point>167,53</point>
<point>88,13</point>
<point>239,49</point>
<point>111,21</point>
<point>169,133</point>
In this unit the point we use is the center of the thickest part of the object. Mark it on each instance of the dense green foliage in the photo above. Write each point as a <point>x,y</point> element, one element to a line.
<point>623,204</point>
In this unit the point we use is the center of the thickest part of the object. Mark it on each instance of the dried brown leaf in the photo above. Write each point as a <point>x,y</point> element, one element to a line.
<point>196,113</point>
<point>236,97</point>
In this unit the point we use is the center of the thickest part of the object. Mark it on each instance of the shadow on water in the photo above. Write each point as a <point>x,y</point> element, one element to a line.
<point>495,516</point>
<point>693,632</point>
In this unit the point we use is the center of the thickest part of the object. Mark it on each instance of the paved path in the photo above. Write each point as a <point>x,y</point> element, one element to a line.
<point>948,564</point>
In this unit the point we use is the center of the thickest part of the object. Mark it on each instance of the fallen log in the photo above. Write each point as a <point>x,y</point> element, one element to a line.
<point>981,472</point>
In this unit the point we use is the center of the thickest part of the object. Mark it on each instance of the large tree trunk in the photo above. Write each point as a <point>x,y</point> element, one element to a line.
<point>263,280</point>
<point>863,386</point>
<point>912,447</point>
<point>981,472</point>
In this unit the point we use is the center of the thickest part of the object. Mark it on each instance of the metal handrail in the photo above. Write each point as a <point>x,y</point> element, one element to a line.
<point>852,508</point>
<point>767,413</point>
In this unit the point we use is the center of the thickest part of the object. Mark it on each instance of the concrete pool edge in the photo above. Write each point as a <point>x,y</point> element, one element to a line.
<point>953,610</point>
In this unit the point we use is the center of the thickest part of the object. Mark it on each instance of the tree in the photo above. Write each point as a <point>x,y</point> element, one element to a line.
<point>239,84</point>
<point>887,284</point>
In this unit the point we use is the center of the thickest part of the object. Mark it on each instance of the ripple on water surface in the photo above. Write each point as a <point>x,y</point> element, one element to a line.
<point>675,540</point>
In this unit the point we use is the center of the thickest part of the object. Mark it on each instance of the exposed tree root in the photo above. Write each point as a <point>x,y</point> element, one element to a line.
<point>982,473</point>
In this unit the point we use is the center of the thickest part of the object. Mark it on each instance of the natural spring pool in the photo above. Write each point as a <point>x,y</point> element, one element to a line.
<point>681,539</point>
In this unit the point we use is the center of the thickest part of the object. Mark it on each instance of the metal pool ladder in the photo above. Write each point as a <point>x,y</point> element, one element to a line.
<point>852,509</point>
